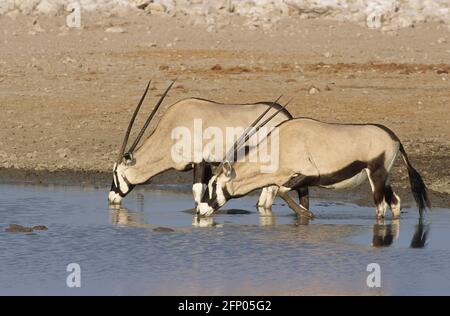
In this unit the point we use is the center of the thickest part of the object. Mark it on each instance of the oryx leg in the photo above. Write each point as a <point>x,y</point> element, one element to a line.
<point>393,200</point>
<point>262,198</point>
<point>267,197</point>
<point>303,197</point>
<point>202,173</point>
<point>299,209</point>
<point>377,179</point>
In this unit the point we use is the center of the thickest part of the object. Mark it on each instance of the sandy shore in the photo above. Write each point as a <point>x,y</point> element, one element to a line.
<point>66,94</point>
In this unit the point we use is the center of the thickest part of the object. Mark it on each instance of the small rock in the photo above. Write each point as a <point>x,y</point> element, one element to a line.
<point>31,155</point>
<point>68,60</point>
<point>13,14</point>
<point>155,8</point>
<point>40,227</point>
<point>115,29</point>
<point>63,152</point>
<point>441,40</point>
<point>14,228</point>
<point>47,7</point>
<point>26,6</point>
<point>163,230</point>
<point>313,90</point>
<point>37,28</point>
<point>142,4</point>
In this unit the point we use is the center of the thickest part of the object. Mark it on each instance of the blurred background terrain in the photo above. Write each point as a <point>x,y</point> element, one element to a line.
<point>66,93</point>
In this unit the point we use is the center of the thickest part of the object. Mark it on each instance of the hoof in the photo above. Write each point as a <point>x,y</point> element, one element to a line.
<point>203,209</point>
<point>307,214</point>
<point>310,215</point>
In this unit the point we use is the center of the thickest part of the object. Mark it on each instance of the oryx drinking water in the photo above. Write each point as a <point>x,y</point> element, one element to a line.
<point>140,164</point>
<point>314,153</point>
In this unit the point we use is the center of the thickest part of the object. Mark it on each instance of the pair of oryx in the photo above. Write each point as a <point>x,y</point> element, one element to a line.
<point>311,153</point>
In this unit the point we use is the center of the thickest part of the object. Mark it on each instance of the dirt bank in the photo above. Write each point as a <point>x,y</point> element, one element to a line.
<point>66,94</point>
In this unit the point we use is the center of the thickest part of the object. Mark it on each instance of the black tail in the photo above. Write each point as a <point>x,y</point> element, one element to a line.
<point>418,187</point>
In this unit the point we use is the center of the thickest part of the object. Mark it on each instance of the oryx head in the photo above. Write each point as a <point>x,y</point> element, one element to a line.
<point>121,186</point>
<point>217,194</point>
<point>218,191</point>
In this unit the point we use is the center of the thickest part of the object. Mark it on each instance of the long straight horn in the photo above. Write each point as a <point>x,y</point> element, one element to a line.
<point>249,128</point>
<point>256,129</point>
<point>246,131</point>
<point>130,125</point>
<point>149,119</point>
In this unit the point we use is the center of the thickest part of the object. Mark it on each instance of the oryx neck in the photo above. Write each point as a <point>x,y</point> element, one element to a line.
<point>150,161</point>
<point>247,178</point>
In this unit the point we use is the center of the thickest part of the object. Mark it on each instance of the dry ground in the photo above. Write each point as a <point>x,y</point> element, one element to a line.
<point>66,94</point>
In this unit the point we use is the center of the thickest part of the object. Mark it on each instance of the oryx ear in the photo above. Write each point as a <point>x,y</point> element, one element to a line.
<point>227,168</point>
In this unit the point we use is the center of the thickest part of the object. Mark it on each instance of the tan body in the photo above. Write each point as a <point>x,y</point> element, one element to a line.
<point>306,147</point>
<point>314,153</point>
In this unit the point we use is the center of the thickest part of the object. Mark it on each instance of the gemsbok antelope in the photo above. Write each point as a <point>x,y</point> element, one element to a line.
<point>140,164</point>
<point>314,153</point>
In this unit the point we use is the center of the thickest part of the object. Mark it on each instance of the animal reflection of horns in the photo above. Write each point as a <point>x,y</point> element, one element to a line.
<point>384,234</point>
<point>420,235</point>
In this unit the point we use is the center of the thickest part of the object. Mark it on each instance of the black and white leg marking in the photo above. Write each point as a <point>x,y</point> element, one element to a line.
<point>392,199</point>
<point>303,197</point>
<point>267,197</point>
<point>202,173</point>
<point>377,178</point>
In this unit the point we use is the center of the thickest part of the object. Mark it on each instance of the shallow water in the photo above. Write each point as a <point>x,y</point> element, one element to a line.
<point>131,250</point>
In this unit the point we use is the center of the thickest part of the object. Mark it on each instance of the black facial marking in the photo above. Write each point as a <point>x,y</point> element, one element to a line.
<point>116,188</point>
<point>226,194</point>
<point>212,201</point>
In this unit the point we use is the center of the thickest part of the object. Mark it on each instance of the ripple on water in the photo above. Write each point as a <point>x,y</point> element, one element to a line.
<point>153,247</point>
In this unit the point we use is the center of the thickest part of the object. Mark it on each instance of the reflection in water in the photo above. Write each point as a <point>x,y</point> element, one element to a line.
<point>266,217</point>
<point>384,234</point>
<point>302,220</point>
<point>240,258</point>
<point>124,217</point>
<point>201,221</point>
<point>140,201</point>
<point>420,235</point>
